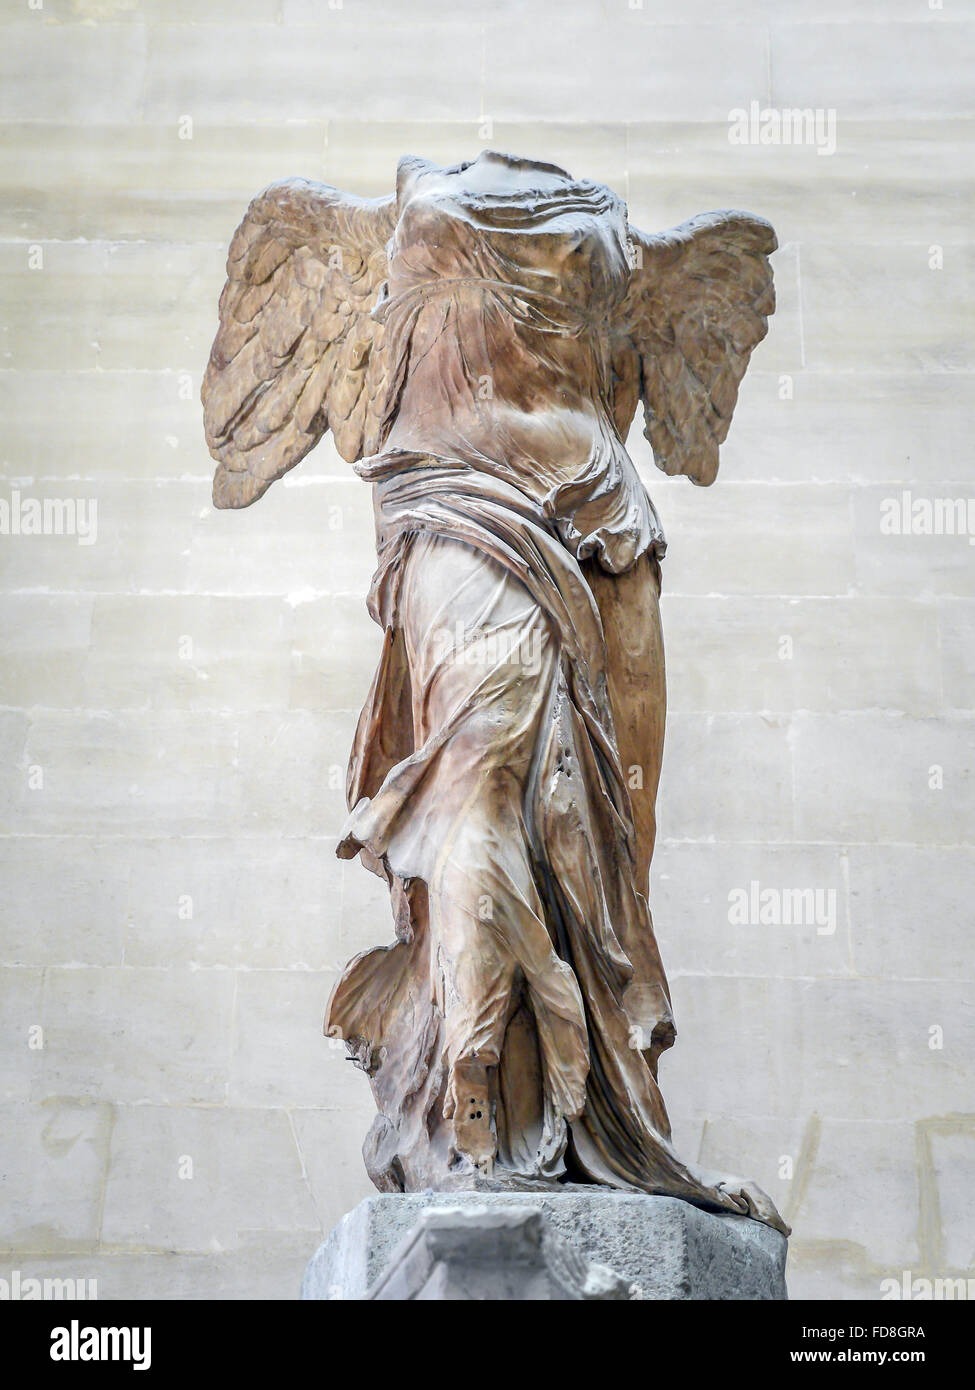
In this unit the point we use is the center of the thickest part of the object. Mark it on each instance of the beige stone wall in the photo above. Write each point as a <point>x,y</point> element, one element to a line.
<point>177,698</point>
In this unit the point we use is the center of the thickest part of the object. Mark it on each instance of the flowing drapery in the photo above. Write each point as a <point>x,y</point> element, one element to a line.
<point>486,786</point>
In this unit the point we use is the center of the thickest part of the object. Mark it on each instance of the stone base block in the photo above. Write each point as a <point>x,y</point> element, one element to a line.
<point>569,1245</point>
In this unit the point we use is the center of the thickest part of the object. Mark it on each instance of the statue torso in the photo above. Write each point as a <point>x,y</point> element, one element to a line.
<point>502,275</point>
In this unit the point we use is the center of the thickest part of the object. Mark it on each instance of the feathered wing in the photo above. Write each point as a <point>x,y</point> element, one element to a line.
<point>296,352</point>
<point>698,302</point>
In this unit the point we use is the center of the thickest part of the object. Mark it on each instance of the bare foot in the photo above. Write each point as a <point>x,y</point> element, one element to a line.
<point>745,1196</point>
<point>468,1104</point>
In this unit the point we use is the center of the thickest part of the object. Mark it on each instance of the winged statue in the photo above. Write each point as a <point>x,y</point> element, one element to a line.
<point>478,344</point>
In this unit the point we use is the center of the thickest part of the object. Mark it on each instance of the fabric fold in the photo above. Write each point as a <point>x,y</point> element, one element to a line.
<point>496,807</point>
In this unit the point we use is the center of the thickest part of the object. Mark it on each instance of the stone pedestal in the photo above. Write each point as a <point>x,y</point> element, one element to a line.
<point>572,1245</point>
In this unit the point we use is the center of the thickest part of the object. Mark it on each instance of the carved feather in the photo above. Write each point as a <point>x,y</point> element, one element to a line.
<point>697,304</point>
<point>296,351</point>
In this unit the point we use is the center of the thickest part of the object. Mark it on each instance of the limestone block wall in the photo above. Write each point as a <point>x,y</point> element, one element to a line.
<point>178,686</point>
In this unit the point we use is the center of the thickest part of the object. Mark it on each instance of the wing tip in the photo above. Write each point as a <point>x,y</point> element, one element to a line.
<point>758,231</point>
<point>233,489</point>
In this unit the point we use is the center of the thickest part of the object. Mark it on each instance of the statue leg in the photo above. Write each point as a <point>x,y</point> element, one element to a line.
<point>481,662</point>
<point>630,613</point>
<point>488,923</point>
<point>477,974</point>
<point>629,606</point>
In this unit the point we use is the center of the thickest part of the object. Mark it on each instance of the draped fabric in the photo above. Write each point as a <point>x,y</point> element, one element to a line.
<point>485,768</point>
<point>486,783</point>
<point>496,316</point>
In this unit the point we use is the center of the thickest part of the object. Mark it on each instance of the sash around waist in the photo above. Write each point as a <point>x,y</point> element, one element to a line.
<point>583,525</point>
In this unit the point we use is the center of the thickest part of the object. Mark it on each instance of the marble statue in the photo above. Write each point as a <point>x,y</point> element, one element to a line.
<point>478,344</point>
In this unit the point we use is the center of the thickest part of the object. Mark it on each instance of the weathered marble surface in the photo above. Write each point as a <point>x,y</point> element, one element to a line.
<point>503,1255</point>
<point>666,1248</point>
